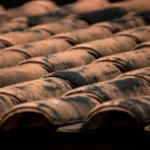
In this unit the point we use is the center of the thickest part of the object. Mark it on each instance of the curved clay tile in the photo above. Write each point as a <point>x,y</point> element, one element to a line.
<point>35,20</point>
<point>15,54</point>
<point>15,38</point>
<point>62,42</point>
<point>133,6</point>
<point>52,85</point>
<point>10,26</point>
<point>60,61</point>
<point>77,56</point>
<point>132,112</point>
<point>141,73</point>
<point>43,65</point>
<point>109,11</point>
<point>116,25</point>
<point>103,91</point>
<point>127,22</point>
<point>81,36</point>
<point>67,24</point>
<point>77,7</point>
<point>34,90</point>
<point>20,24</point>
<point>108,46</point>
<point>113,89</point>
<point>117,43</point>
<point>142,45</point>
<point>129,60</point>
<point>88,74</point>
<point>53,112</point>
<point>124,62</point>
<point>40,33</point>
<point>32,8</point>
<point>140,34</point>
<point>91,17</point>
<point>65,10</point>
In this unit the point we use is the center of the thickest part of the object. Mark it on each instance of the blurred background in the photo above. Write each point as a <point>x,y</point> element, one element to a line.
<point>15,3</point>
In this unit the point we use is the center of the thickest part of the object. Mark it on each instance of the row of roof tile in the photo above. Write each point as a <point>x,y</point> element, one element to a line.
<point>76,56</point>
<point>79,103</point>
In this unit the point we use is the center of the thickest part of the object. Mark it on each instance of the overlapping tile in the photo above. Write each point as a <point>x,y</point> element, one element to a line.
<point>111,12</point>
<point>31,8</point>
<point>50,113</point>
<point>133,112</point>
<point>83,88</point>
<point>116,10</point>
<point>75,57</point>
<point>41,32</point>
<point>85,75</point>
<point>62,42</point>
<point>65,10</point>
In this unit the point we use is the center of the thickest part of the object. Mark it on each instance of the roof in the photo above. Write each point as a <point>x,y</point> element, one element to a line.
<point>76,68</point>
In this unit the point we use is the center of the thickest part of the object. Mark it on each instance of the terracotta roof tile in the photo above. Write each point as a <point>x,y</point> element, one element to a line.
<point>129,60</point>
<point>72,58</point>
<point>77,7</point>
<point>69,24</point>
<point>82,36</point>
<point>75,74</point>
<point>23,37</point>
<point>141,73</point>
<point>133,111</point>
<point>31,8</point>
<point>65,10</point>
<point>40,32</point>
<point>110,12</point>
<point>122,87</point>
<point>116,10</point>
<point>91,17</point>
<point>13,26</point>
<point>18,53</point>
<point>52,113</point>
<point>87,74</point>
<point>117,88</point>
<point>65,40</point>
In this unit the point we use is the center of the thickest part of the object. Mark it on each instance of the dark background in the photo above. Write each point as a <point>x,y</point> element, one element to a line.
<point>39,138</point>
